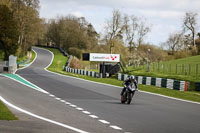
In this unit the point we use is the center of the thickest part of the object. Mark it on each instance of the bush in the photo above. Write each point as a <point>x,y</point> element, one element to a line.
<point>76,63</point>
<point>75,52</point>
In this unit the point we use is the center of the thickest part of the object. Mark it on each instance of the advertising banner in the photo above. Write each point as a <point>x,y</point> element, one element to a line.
<point>104,57</point>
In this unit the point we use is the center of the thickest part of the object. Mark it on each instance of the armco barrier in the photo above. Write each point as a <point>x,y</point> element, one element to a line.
<point>82,72</point>
<point>159,82</point>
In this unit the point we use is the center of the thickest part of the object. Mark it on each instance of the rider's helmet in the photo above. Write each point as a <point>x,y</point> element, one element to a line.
<point>131,78</point>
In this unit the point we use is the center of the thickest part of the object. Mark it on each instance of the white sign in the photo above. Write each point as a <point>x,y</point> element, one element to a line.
<point>105,57</point>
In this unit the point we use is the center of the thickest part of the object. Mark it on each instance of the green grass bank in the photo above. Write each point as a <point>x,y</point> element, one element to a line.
<point>180,69</point>
<point>5,113</point>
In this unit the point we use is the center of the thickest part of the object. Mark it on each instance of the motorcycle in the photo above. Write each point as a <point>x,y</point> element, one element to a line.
<point>128,94</point>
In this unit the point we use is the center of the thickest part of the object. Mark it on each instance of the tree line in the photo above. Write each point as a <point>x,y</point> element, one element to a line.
<point>187,39</point>
<point>122,35</point>
<point>20,26</point>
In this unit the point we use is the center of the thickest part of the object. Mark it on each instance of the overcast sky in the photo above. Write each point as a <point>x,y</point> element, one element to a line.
<point>165,16</point>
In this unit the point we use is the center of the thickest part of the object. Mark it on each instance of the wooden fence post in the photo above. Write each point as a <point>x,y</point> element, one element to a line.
<point>153,67</point>
<point>189,68</point>
<point>163,67</point>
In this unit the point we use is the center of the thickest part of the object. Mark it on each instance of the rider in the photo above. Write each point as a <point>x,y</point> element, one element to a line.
<point>129,80</point>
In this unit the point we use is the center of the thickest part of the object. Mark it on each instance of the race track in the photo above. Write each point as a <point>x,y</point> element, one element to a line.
<point>146,114</point>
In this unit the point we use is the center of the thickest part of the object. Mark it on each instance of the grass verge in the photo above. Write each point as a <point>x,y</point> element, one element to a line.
<point>5,113</point>
<point>164,75</point>
<point>60,60</point>
<point>25,58</point>
<point>33,56</point>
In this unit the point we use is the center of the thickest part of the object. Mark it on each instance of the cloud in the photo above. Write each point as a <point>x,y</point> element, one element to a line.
<point>77,14</point>
<point>162,14</point>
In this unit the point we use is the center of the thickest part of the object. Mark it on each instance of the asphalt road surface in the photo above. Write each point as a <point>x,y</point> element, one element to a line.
<point>147,113</point>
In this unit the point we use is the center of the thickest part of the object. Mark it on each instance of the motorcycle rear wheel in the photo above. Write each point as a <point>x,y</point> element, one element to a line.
<point>129,99</point>
<point>122,99</point>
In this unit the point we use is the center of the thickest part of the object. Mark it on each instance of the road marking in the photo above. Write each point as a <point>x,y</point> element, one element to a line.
<point>116,127</point>
<point>79,109</point>
<point>170,97</point>
<point>57,98</point>
<point>42,118</point>
<point>74,106</point>
<point>67,103</point>
<point>104,122</point>
<point>94,116</point>
<point>23,81</point>
<point>51,95</point>
<point>63,101</point>
<point>51,59</point>
<point>86,112</point>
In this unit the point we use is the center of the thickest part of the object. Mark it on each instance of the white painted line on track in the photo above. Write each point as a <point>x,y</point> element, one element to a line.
<point>80,109</point>
<point>63,101</point>
<point>94,116</point>
<point>67,103</point>
<point>170,97</point>
<point>104,122</point>
<point>51,95</point>
<point>51,59</point>
<point>74,106</point>
<point>116,127</point>
<point>42,118</point>
<point>86,112</point>
<point>39,89</point>
<point>57,98</point>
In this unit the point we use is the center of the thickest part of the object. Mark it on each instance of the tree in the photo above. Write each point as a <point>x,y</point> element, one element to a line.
<point>6,2</point>
<point>114,29</point>
<point>52,35</point>
<point>32,3</point>
<point>198,43</point>
<point>9,32</point>
<point>175,42</point>
<point>131,27</point>
<point>27,17</point>
<point>189,25</point>
<point>72,34</point>
<point>143,30</point>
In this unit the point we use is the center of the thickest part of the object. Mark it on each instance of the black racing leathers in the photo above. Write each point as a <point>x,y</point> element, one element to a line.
<point>128,82</point>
